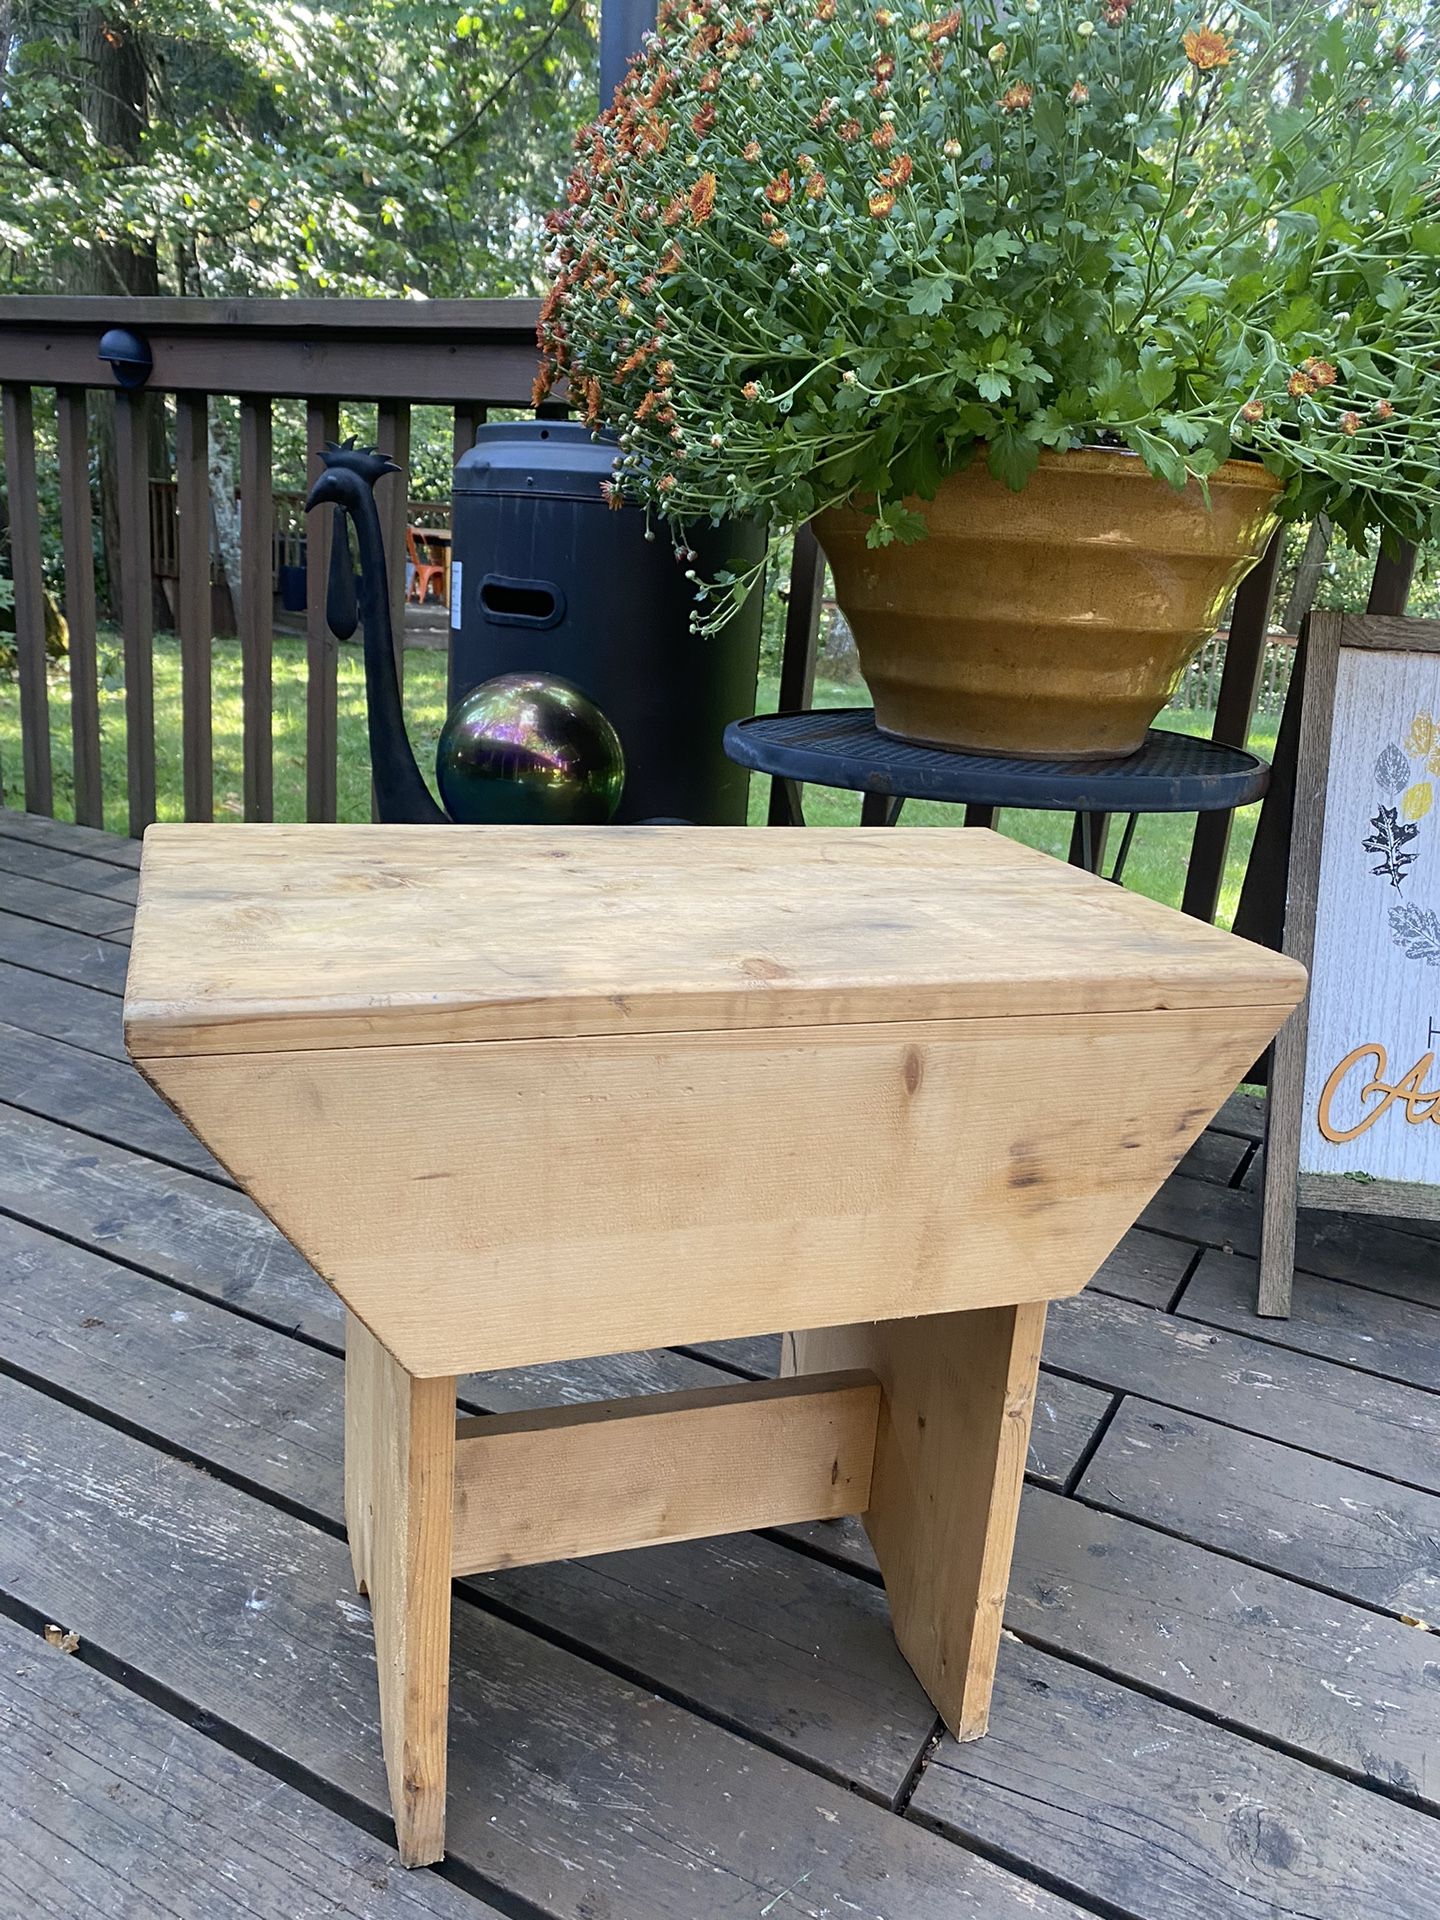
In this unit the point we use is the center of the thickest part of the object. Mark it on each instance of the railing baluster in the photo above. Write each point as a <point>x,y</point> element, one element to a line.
<point>797,658</point>
<point>192,505</point>
<point>29,598</point>
<point>1234,711</point>
<point>77,542</point>
<point>468,420</point>
<point>256,610</point>
<point>392,437</point>
<point>322,423</point>
<point>132,465</point>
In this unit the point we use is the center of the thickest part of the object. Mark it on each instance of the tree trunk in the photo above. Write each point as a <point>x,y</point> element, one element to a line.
<point>117,109</point>
<point>224,504</point>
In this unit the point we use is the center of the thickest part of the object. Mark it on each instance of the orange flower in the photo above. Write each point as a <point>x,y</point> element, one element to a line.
<point>1350,423</point>
<point>1079,94</point>
<point>750,390</point>
<point>779,238</point>
<point>1384,410</point>
<point>675,212</point>
<point>824,116</point>
<point>1017,98</point>
<point>825,10</point>
<point>1206,49</point>
<point>703,121</point>
<point>849,129</point>
<point>899,174</point>
<point>1321,372</point>
<point>884,135</point>
<point>671,261</point>
<point>750,151</point>
<point>1300,384</point>
<point>779,190</point>
<point>884,67</point>
<point>1252,411</point>
<point>881,204</point>
<point>702,198</point>
<point>544,380</point>
<point>710,82</point>
<point>944,29</point>
<point>815,186</point>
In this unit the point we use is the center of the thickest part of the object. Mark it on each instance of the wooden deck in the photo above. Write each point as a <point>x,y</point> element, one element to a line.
<point>1218,1695</point>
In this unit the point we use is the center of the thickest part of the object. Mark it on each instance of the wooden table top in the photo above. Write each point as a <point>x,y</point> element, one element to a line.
<point>262,938</point>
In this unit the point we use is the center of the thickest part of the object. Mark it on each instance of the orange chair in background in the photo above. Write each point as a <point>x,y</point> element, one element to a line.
<point>425,573</point>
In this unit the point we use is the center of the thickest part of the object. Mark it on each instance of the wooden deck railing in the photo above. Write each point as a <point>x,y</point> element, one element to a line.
<point>467,355</point>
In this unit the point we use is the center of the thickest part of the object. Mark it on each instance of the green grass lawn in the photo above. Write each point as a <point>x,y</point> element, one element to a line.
<point>1157,858</point>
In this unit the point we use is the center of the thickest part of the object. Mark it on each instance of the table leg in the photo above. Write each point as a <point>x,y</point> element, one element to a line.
<point>880,809</point>
<point>399,1498</point>
<point>950,1450</point>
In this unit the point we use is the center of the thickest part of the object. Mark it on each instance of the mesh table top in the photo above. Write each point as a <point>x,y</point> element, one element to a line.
<point>842,747</point>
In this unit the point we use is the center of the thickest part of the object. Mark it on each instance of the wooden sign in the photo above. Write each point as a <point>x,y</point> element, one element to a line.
<point>1354,1117</point>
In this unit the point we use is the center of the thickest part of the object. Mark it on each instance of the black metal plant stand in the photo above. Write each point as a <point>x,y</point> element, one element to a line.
<point>842,747</point>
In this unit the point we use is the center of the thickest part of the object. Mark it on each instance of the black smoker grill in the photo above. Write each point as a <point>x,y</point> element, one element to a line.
<point>549,578</point>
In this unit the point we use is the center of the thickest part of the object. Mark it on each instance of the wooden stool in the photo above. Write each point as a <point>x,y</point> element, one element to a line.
<point>523,1097</point>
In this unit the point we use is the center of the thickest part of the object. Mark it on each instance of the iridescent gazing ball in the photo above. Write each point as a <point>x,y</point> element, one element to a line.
<point>526,749</point>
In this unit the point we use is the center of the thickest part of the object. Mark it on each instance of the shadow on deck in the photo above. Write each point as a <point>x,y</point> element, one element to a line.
<point>1218,1696</point>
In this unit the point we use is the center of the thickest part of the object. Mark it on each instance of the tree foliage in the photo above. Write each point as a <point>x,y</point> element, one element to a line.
<point>400,147</point>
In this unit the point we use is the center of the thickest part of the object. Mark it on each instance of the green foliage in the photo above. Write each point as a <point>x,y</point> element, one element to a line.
<point>821,252</point>
<point>369,147</point>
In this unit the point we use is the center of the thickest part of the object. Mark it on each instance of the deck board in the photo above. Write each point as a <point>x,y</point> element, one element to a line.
<point>111,1806</point>
<point>47,1076</point>
<point>34,861</point>
<point>1378,1332</point>
<point>1215,1709</point>
<point>573,1788</point>
<point>1247,1382</point>
<point>59,906</point>
<point>1365,1251</point>
<point>1166,1818</point>
<point>111,849</point>
<point>1343,1531</point>
<point>79,957</point>
<point>83,1016</point>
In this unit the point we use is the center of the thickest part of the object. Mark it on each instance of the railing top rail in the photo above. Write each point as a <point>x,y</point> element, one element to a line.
<point>440,351</point>
<point>316,318</point>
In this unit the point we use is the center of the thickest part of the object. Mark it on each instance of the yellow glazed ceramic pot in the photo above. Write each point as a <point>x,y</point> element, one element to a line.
<point>1052,623</point>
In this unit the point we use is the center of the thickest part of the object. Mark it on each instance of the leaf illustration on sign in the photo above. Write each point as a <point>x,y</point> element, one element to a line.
<point>1390,836</point>
<point>1417,930</point>
<point>1418,800</point>
<point>1424,735</point>
<point>1392,770</point>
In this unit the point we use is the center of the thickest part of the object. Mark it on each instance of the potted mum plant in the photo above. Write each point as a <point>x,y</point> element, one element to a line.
<point>1045,311</point>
